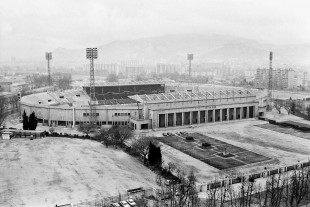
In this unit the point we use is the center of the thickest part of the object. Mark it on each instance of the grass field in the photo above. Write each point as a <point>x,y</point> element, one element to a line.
<point>210,155</point>
<point>49,171</point>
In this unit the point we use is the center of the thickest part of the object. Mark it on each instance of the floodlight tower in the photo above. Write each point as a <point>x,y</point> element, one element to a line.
<point>91,54</point>
<point>270,76</point>
<point>190,57</point>
<point>48,57</point>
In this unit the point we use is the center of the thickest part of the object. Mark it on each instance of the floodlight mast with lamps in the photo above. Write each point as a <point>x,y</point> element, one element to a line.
<point>190,57</point>
<point>48,57</point>
<point>91,54</point>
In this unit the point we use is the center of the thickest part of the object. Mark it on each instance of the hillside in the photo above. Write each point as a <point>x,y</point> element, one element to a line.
<point>173,48</point>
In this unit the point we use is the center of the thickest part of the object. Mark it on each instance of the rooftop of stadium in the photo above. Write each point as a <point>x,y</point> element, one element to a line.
<point>80,97</point>
<point>76,97</point>
<point>58,98</point>
<point>101,83</point>
<point>201,95</point>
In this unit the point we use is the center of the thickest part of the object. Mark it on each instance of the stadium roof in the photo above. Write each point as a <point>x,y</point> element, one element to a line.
<point>68,97</point>
<point>58,98</point>
<point>116,101</point>
<point>201,95</point>
<point>148,82</point>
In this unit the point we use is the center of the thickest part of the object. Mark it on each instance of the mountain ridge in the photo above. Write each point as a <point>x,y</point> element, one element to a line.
<point>174,48</point>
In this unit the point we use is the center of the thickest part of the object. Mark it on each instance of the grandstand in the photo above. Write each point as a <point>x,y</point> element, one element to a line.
<point>121,90</point>
<point>58,98</point>
<point>143,105</point>
<point>201,95</point>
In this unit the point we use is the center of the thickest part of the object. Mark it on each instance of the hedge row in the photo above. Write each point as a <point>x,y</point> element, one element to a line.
<point>55,134</point>
<point>292,125</point>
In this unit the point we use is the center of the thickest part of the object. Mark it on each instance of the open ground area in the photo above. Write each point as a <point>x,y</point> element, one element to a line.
<point>282,149</point>
<point>49,171</point>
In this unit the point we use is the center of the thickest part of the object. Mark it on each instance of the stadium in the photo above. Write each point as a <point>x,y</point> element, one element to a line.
<point>143,105</point>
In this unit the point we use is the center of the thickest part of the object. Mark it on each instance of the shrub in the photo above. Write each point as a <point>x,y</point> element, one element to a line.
<point>251,179</point>
<point>272,122</point>
<point>189,138</point>
<point>304,129</point>
<point>127,149</point>
<point>206,144</point>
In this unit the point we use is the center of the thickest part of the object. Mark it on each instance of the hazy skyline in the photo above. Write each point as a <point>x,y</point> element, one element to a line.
<point>29,28</point>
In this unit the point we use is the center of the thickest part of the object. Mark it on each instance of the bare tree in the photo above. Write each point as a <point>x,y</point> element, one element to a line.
<point>212,196</point>
<point>246,194</point>
<point>299,186</point>
<point>104,136</point>
<point>141,146</point>
<point>3,110</point>
<point>274,190</point>
<point>112,77</point>
<point>287,104</point>
<point>51,130</point>
<point>87,128</point>
<point>141,202</point>
<point>180,192</point>
<point>277,104</point>
<point>279,190</point>
<point>125,134</point>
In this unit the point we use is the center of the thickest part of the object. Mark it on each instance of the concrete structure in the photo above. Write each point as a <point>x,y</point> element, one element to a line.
<point>14,87</point>
<point>167,68</point>
<point>144,111</point>
<point>70,108</point>
<point>9,102</point>
<point>281,78</point>
<point>6,135</point>
<point>189,108</point>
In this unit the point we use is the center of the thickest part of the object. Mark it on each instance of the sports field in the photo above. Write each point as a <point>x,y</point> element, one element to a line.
<point>282,149</point>
<point>49,171</point>
<point>213,154</point>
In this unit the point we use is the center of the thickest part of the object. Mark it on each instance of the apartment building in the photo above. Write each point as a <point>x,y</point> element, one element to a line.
<point>281,78</point>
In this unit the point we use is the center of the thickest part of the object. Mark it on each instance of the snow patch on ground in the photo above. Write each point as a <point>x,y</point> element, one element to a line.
<point>49,171</point>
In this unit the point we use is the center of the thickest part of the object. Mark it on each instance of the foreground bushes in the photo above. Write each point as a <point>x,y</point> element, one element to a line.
<point>206,144</point>
<point>55,134</point>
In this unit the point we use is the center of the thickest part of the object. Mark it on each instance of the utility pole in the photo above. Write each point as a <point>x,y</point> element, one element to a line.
<point>48,57</point>
<point>91,54</point>
<point>190,57</point>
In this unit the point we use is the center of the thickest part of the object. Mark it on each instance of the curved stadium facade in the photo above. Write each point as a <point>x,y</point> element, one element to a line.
<point>142,105</point>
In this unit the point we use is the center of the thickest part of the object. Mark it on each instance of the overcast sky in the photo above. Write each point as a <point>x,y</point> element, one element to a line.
<point>31,27</point>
